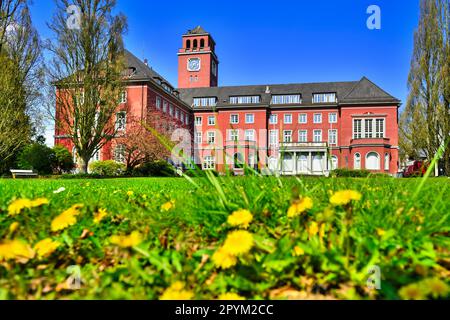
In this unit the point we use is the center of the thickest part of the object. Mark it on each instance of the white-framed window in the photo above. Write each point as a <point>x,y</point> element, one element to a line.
<point>205,102</point>
<point>121,121</point>
<point>250,118</point>
<point>158,103</point>
<point>123,97</point>
<point>324,98</point>
<point>273,119</point>
<point>250,135</point>
<point>368,128</point>
<point>287,99</point>
<point>211,137</point>
<point>288,118</point>
<point>287,136</point>
<point>302,135</point>
<point>182,118</point>
<point>387,160</point>
<point>198,137</point>
<point>317,118</point>
<point>234,119</point>
<point>187,120</point>
<point>334,163</point>
<point>303,118</point>
<point>119,153</point>
<point>233,135</point>
<point>209,163</point>
<point>357,161</point>
<point>198,121</point>
<point>165,106</point>
<point>332,136</point>
<point>211,120</point>
<point>171,110</point>
<point>273,137</point>
<point>357,129</point>
<point>372,161</point>
<point>317,136</point>
<point>177,114</point>
<point>245,100</point>
<point>332,117</point>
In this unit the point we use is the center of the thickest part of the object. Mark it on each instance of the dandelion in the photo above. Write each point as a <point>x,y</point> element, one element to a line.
<point>62,189</point>
<point>39,202</point>
<point>230,296</point>
<point>238,242</point>
<point>99,215</point>
<point>240,218</point>
<point>168,206</point>
<point>298,251</point>
<point>13,227</point>
<point>412,292</point>
<point>177,292</point>
<point>300,206</point>
<point>322,231</point>
<point>130,193</point>
<point>66,219</point>
<point>436,287</point>
<point>341,198</point>
<point>381,232</point>
<point>14,249</point>
<point>223,259</point>
<point>132,240</point>
<point>313,229</point>
<point>18,205</point>
<point>46,247</point>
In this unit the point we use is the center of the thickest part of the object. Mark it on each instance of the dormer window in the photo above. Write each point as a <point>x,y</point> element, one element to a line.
<point>205,102</point>
<point>287,99</point>
<point>245,100</point>
<point>324,98</point>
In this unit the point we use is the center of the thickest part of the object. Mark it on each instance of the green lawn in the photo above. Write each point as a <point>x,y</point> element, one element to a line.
<point>178,226</point>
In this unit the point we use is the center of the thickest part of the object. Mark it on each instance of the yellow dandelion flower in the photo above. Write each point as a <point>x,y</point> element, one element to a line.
<point>13,249</point>
<point>132,240</point>
<point>177,292</point>
<point>322,231</point>
<point>238,242</point>
<point>39,202</point>
<point>130,193</point>
<point>13,227</point>
<point>46,247</point>
<point>412,292</point>
<point>223,259</point>
<point>230,296</point>
<point>300,206</point>
<point>341,198</point>
<point>240,217</point>
<point>168,206</point>
<point>381,232</point>
<point>436,287</point>
<point>66,219</point>
<point>298,251</point>
<point>99,215</point>
<point>313,229</point>
<point>18,205</point>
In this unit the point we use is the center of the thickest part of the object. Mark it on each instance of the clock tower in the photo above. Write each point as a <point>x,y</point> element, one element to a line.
<point>198,66</point>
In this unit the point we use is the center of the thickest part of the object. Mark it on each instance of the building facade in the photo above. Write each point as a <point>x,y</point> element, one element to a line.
<point>289,129</point>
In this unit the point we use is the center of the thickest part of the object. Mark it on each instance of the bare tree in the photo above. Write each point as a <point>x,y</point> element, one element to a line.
<point>87,68</point>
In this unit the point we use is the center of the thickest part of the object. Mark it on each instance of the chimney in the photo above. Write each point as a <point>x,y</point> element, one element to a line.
<point>146,62</point>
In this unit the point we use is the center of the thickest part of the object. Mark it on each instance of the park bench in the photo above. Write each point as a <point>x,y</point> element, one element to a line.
<point>23,173</point>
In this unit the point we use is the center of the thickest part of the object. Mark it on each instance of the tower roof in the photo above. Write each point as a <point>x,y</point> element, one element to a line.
<point>196,31</point>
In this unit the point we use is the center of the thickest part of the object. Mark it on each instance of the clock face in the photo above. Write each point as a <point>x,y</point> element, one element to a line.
<point>194,64</point>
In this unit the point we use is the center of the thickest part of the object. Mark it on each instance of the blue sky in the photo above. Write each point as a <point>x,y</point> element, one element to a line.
<point>269,42</point>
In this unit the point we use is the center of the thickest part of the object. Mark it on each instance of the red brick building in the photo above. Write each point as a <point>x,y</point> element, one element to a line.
<point>308,128</point>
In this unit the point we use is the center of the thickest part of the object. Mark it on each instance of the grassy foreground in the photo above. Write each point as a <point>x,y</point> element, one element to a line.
<point>169,238</point>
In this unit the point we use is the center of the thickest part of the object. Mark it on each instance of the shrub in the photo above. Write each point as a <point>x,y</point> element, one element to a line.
<point>63,161</point>
<point>108,168</point>
<point>154,169</point>
<point>38,157</point>
<point>350,173</point>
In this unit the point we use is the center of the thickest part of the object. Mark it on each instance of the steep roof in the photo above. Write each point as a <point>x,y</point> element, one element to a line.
<point>141,70</point>
<point>363,91</point>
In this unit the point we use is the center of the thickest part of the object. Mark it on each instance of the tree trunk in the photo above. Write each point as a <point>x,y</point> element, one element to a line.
<point>84,165</point>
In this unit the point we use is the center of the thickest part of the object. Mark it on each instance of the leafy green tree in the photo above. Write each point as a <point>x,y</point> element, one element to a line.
<point>62,161</point>
<point>38,157</point>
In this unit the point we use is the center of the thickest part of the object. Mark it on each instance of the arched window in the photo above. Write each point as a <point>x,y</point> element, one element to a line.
<point>188,44</point>
<point>317,162</point>
<point>119,153</point>
<point>273,164</point>
<point>202,43</point>
<point>357,162</point>
<point>195,43</point>
<point>387,160</point>
<point>334,162</point>
<point>238,161</point>
<point>372,161</point>
<point>74,155</point>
